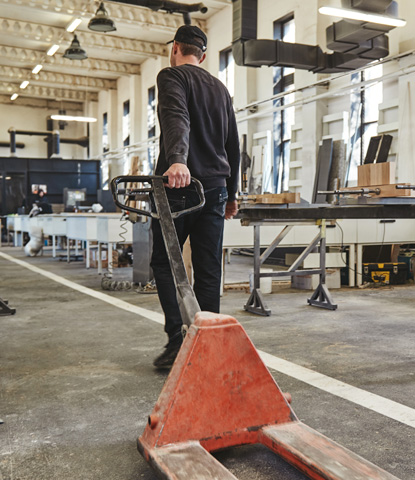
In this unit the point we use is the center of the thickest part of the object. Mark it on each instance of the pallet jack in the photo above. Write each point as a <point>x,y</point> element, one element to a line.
<point>219,393</point>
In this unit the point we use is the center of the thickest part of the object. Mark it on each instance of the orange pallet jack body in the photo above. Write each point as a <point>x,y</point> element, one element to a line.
<point>220,394</point>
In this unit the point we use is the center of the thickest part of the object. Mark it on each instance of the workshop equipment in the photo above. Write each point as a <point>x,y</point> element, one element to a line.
<point>321,297</point>
<point>220,394</point>
<point>385,273</point>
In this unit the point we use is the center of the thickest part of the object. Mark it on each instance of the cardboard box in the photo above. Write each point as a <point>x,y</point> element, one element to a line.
<point>374,174</point>
<point>93,257</point>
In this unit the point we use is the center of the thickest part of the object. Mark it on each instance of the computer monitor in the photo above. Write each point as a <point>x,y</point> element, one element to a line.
<point>73,197</point>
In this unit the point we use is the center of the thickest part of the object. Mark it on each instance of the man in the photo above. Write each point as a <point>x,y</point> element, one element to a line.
<point>199,138</point>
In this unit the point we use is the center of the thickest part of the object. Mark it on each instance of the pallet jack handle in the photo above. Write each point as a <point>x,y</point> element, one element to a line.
<point>186,298</point>
<point>156,181</point>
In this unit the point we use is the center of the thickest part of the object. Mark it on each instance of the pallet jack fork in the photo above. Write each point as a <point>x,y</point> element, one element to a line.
<point>220,394</point>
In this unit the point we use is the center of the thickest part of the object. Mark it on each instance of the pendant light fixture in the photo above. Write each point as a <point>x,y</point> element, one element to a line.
<point>75,52</point>
<point>101,21</point>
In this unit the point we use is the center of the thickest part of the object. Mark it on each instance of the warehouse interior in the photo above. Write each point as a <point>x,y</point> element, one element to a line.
<point>318,265</point>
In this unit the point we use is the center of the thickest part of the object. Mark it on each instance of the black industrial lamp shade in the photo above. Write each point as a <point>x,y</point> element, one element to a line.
<point>101,22</point>
<point>75,52</point>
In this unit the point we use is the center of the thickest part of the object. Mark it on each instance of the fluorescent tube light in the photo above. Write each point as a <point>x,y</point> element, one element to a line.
<point>70,118</point>
<point>37,69</point>
<point>73,25</point>
<point>24,84</point>
<point>363,16</point>
<point>14,96</point>
<point>52,50</point>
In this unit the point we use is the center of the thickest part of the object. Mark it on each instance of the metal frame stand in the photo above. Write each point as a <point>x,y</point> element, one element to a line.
<point>321,296</point>
<point>5,309</point>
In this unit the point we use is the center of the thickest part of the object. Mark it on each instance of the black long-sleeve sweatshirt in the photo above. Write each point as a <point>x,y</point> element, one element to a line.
<point>198,127</point>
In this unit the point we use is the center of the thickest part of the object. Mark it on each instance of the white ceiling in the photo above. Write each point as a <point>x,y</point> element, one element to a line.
<point>29,27</point>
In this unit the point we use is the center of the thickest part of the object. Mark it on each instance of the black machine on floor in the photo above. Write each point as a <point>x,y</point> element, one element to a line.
<point>5,309</point>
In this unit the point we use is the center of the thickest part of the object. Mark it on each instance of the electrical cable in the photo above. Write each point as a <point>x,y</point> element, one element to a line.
<point>383,242</point>
<point>107,282</point>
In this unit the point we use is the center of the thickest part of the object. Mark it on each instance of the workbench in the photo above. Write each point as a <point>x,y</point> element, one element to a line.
<point>365,211</point>
<point>103,228</point>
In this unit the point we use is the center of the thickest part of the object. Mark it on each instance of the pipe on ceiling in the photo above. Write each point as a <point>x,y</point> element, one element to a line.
<point>168,6</point>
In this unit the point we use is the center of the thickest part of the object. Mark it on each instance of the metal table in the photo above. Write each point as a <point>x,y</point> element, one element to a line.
<point>290,215</point>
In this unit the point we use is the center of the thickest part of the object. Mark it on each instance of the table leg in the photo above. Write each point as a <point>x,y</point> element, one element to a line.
<point>256,303</point>
<point>352,265</point>
<point>359,261</point>
<point>88,260</point>
<point>321,296</point>
<point>99,258</point>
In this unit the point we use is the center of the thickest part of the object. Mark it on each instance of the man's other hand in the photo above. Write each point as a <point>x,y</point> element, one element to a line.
<point>179,175</point>
<point>231,209</point>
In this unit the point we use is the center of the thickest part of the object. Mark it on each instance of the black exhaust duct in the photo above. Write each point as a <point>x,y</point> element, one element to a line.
<point>354,43</point>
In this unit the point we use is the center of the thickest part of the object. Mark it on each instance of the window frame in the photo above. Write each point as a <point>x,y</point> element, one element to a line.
<point>282,82</point>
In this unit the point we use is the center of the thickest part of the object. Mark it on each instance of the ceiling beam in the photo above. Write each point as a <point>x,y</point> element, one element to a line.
<point>55,78</point>
<point>44,103</point>
<point>94,66</point>
<point>42,33</point>
<point>48,92</point>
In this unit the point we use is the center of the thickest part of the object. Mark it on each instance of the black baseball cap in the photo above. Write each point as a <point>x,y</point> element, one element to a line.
<point>191,35</point>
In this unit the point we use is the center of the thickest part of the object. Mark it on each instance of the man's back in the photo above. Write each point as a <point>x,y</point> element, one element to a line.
<point>197,124</point>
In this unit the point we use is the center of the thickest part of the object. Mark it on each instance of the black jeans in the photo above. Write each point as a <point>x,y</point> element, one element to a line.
<point>205,228</point>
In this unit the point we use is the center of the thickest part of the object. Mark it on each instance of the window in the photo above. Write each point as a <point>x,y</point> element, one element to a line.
<point>227,70</point>
<point>151,125</point>
<point>105,140</point>
<point>283,78</point>
<point>126,124</point>
<point>364,115</point>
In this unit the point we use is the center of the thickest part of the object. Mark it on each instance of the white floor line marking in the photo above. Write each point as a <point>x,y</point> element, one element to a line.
<point>371,401</point>
<point>154,316</point>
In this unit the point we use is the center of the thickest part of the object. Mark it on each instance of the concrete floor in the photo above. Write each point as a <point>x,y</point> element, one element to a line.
<point>77,381</point>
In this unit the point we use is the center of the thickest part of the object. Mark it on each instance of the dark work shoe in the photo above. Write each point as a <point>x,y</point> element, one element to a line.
<point>167,358</point>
